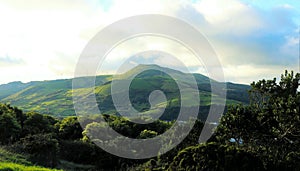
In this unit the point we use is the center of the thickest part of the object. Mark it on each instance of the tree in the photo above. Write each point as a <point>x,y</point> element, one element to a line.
<point>147,134</point>
<point>43,149</point>
<point>36,123</point>
<point>20,116</point>
<point>70,129</point>
<point>213,156</point>
<point>9,127</point>
<point>270,125</point>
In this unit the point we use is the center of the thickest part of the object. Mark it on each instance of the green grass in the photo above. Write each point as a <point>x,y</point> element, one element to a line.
<point>11,161</point>
<point>6,156</point>
<point>8,166</point>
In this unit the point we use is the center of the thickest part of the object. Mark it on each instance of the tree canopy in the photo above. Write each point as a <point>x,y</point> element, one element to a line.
<point>268,129</point>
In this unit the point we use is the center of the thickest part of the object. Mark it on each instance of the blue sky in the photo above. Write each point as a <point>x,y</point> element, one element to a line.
<point>254,39</point>
<point>269,4</point>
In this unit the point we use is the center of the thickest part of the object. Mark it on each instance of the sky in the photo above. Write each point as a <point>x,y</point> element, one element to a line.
<point>43,40</point>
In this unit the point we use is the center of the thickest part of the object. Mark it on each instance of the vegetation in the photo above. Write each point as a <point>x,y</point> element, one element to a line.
<point>264,135</point>
<point>55,97</point>
<point>17,167</point>
<point>13,161</point>
<point>46,97</point>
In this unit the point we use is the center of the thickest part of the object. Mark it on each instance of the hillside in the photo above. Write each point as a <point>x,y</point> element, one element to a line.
<point>54,97</point>
<point>47,97</point>
<point>32,141</point>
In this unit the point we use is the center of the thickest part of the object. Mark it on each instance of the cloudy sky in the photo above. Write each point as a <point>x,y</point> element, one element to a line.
<point>42,40</point>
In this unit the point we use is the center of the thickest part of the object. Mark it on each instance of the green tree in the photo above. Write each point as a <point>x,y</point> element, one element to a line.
<point>96,131</point>
<point>213,156</point>
<point>270,125</point>
<point>42,148</point>
<point>70,129</point>
<point>36,123</point>
<point>20,116</point>
<point>147,134</point>
<point>9,127</point>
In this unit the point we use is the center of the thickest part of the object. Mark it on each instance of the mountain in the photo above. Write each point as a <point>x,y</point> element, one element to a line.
<point>54,97</point>
<point>11,88</point>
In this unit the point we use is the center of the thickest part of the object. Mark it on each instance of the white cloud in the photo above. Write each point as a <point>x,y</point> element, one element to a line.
<point>287,6</point>
<point>49,36</point>
<point>230,15</point>
<point>137,45</point>
<point>246,74</point>
<point>291,47</point>
<point>38,33</point>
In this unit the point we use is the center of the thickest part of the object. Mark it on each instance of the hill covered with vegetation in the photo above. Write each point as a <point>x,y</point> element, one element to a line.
<point>263,135</point>
<point>55,97</point>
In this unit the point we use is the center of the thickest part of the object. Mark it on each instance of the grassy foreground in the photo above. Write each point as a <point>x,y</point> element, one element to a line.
<point>16,167</point>
<point>15,162</point>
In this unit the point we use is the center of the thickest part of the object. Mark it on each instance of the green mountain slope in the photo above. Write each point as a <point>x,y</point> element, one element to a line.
<point>55,97</point>
<point>11,88</point>
<point>47,97</point>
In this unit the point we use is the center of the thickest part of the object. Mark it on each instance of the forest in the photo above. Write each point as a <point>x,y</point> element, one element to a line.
<point>261,135</point>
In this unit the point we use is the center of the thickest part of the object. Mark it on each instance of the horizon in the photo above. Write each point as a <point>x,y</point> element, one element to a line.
<point>253,39</point>
<point>113,74</point>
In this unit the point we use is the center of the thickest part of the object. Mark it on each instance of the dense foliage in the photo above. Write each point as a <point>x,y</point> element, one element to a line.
<point>264,135</point>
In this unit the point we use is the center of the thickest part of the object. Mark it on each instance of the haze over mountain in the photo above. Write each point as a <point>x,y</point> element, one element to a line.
<point>54,97</point>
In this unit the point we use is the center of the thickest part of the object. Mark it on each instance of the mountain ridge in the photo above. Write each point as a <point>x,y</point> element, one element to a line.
<point>54,97</point>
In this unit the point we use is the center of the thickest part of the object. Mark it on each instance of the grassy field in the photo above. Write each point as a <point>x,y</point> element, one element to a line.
<point>15,162</point>
<point>7,166</point>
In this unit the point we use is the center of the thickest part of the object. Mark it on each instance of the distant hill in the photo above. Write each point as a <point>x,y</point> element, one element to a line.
<point>11,88</point>
<point>55,97</point>
<point>52,97</point>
